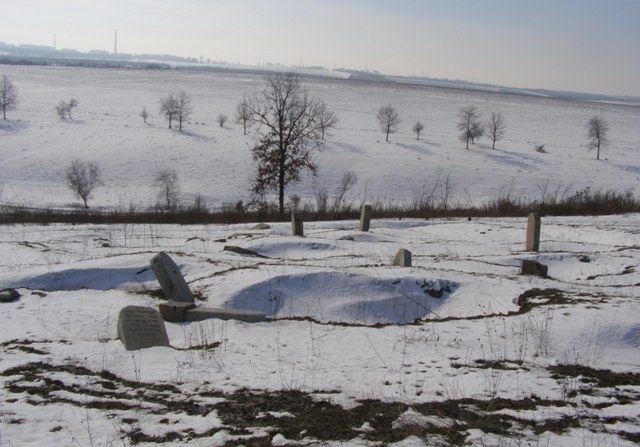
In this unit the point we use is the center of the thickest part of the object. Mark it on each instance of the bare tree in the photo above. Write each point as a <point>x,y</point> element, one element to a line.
<point>477,130</point>
<point>222,119</point>
<point>290,130</point>
<point>169,108</point>
<point>243,115</point>
<point>418,127</point>
<point>597,133</point>
<point>469,125</point>
<point>166,183</point>
<point>389,120</point>
<point>495,128</point>
<point>8,95</point>
<point>144,114</point>
<point>183,108</point>
<point>326,118</point>
<point>82,178</point>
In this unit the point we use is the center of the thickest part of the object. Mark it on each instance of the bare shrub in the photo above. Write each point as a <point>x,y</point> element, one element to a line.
<point>222,119</point>
<point>169,108</point>
<point>144,114</point>
<point>348,181</point>
<point>326,118</point>
<point>64,108</point>
<point>388,120</point>
<point>540,148</point>
<point>82,178</point>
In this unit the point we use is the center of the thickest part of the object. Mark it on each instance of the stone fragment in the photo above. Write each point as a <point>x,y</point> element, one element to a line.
<point>533,232</point>
<point>365,218</point>
<point>9,295</point>
<point>534,268</point>
<point>297,224</point>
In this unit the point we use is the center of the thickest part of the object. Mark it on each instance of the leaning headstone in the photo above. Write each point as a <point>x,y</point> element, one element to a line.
<point>403,258</point>
<point>174,287</point>
<point>534,268</point>
<point>533,232</point>
<point>8,295</point>
<point>365,218</point>
<point>141,327</point>
<point>297,225</point>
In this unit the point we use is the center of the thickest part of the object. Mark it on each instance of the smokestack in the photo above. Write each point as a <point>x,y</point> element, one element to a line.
<point>115,43</point>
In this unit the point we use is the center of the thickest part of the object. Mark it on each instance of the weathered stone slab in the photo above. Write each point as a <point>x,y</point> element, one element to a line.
<point>141,327</point>
<point>174,287</point>
<point>365,218</point>
<point>242,251</point>
<point>533,232</point>
<point>174,311</point>
<point>403,258</point>
<point>297,224</point>
<point>534,268</point>
<point>261,226</point>
<point>221,313</point>
<point>9,295</point>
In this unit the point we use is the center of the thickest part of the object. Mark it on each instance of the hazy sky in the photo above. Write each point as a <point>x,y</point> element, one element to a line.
<point>582,45</point>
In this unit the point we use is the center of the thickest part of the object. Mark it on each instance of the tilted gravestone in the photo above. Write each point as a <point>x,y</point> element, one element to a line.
<point>533,232</point>
<point>534,268</point>
<point>174,287</point>
<point>297,225</point>
<point>403,258</point>
<point>141,327</point>
<point>365,218</point>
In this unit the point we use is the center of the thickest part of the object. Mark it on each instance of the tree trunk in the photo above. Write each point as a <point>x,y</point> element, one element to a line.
<point>387,135</point>
<point>598,155</point>
<point>281,186</point>
<point>170,119</point>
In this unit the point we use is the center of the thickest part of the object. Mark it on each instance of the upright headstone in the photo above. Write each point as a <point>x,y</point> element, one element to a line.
<point>297,225</point>
<point>365,218</point>
<point>403,258</point>
<point>141,327</point>
<point>533,232</point>
<point>174,287</point>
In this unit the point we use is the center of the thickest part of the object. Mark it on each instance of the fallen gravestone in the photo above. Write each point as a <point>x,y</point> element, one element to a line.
<point>403,258</point>
<point>141,327</point>
<point>534,268</point>
<point>242,251</point>
<point>261,226</point>
<point>8,295</point>
<point>365,218</point>
<point>533,232</point>
<point>174,287</point>
<point>297,224</point>
<point>175,312</point>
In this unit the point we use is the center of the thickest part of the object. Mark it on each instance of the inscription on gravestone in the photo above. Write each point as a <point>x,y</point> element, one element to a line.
<point>141,327</point>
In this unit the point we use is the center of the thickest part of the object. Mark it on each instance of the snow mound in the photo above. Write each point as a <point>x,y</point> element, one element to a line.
<point>343,297</point>
<point>293,249</point>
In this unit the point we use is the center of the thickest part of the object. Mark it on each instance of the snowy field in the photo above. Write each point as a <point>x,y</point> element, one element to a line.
<point>458,350</point>
<point>35,146</point>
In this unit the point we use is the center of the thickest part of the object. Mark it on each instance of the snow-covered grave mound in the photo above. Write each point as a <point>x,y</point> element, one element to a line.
<point>345,297</point>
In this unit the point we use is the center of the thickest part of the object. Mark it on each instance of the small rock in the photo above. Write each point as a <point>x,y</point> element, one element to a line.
<point>242,251</point>
<point>261,226</point>
<point>534,268</point>
<point>8,295</point>
<point>584,258</point>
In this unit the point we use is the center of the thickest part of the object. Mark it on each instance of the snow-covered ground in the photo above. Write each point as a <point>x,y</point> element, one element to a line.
<point>356,350</point>
<point>35,146</point>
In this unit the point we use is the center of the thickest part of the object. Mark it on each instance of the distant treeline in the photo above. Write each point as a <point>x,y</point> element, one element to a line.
<point>86,63</point>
